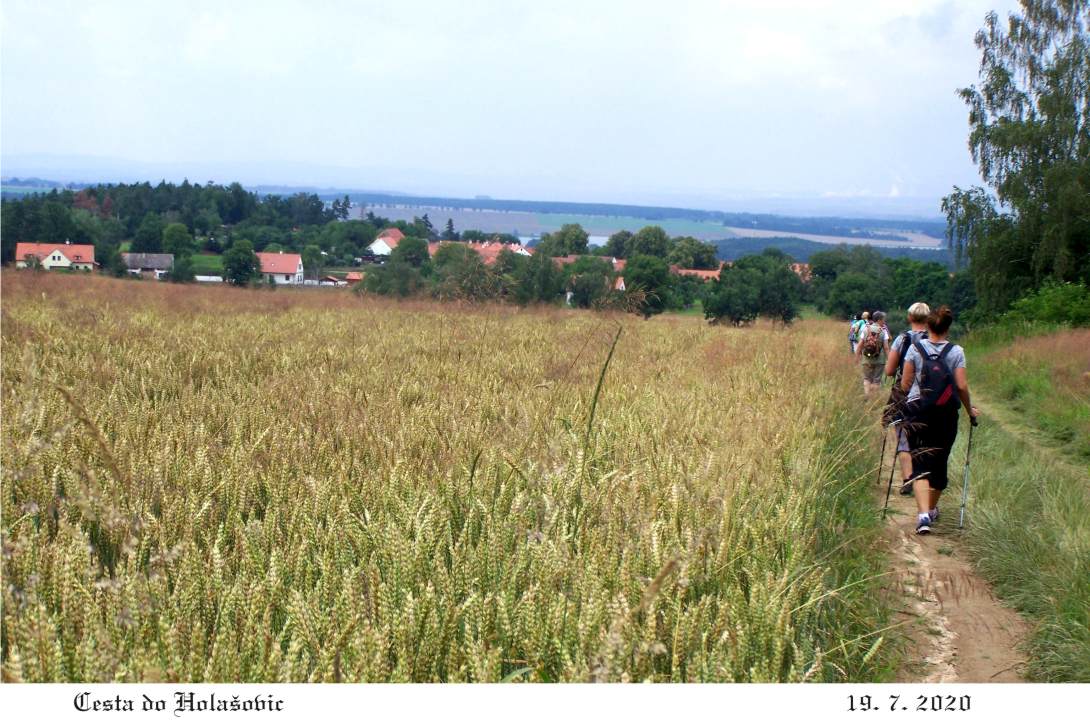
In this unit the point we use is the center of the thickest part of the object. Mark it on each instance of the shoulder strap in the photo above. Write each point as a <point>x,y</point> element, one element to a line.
<point>945,350</point>
<point>906,343</point>
<point>922,350</point>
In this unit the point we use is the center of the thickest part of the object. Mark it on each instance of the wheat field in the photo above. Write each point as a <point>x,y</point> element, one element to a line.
<point>209,484</point>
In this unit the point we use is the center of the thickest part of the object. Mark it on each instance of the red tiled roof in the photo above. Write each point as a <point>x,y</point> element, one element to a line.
<point>489,251</point>
<point>279,263</point>
<point>354,277</point>
<point>561,261</point>
<point>42,250</point>
<point>392,233</point>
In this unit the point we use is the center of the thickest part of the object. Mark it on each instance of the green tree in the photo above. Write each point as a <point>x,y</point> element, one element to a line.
<point>182,270</point>
<point>395,278</point>
<point>177,241</point>
<point>149,235</point>
<point>538,281</point>
<point>651,240</point>
<point>617,244</point>
<point>1030,139</point>
<point>412,251</point>
<point>448,232</point>
<point>240,264</point>
<point>589,279</point>
<point>570,239</point>
<point>855,292</point>
<point>461,274</point>
<point>312,260</point>
<point>735,297</point>
<point>649,275</point>
<point>691,254</point>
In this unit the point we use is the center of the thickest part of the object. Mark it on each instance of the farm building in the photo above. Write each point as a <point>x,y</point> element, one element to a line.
<point>386,241</point>
<point>353,278</point>
<point>151,265</point>
<point>55,255</point>
<point>281,268</point>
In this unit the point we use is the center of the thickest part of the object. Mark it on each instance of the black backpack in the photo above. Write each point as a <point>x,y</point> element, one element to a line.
<point>938,392</point>
<point>907,339</point>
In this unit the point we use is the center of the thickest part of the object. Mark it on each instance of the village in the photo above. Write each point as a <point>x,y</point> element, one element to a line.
<point>281,268</point>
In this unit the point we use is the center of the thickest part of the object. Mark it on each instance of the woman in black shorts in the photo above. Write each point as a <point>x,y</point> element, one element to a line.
<point>931,435</point>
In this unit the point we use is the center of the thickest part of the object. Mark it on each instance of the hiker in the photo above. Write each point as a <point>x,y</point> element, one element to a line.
<point>935,380</point>
<point>851,333</point>
<point>857,326</point>
<point>871,350</point>
<point>917,328</point>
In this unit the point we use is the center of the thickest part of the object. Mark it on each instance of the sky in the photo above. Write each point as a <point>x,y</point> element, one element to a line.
<point>814,107</point>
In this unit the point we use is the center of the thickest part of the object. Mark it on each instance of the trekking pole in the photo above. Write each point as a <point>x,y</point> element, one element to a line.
<point>965,483</point>
<point>892,469</point>
<point>881,457</point>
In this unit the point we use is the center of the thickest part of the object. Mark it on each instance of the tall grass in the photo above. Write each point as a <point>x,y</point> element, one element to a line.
<point>1029,512</point>
<point>1028,527</point>
<point>1045,380</point>
<point>219,485</point>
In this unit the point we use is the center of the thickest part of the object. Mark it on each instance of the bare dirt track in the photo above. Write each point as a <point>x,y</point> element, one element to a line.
<point>956,629</point>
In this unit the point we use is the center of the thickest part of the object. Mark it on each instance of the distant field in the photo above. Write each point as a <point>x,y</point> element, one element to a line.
<point>536,223</point>
<point>915,239</point>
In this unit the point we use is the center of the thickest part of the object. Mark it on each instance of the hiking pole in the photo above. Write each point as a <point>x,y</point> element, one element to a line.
<point>882,456</point>
<point>892,469</point>
<point>965,483</point>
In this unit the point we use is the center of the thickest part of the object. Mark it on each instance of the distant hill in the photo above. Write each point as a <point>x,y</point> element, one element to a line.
<point>851,227</point>
<point>736,247</point>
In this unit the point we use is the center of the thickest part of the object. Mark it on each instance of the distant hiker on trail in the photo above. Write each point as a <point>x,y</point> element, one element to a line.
<point>917,322</point>
<point>851,332</point>
<point>857,325</point>
<point>871,351</point>
<point>935,380</point>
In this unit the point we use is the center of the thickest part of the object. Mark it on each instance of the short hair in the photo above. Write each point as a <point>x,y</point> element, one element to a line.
<point>866,315</point>
<point>939,320</point>
<point>878,316</point>
<point>918,312</point>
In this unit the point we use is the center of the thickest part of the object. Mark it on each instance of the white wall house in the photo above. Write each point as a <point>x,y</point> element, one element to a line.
<point>386,241</point>
<point>55,255</point>
<point>281,268</point>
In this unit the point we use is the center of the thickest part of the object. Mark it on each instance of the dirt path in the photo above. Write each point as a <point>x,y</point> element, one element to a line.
<point>957,630</point>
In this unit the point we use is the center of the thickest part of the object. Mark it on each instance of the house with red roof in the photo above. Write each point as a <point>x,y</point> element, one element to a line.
<point>489,251</point>
<point>55,255</point>
<point>353,278</point>
<point>281,268</point>
<point>386,241</point>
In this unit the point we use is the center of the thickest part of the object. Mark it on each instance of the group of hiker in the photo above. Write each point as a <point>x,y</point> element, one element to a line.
<point>929,387</point>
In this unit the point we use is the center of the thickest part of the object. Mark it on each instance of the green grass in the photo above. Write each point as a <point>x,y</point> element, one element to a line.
<point>1028,527</point>
<point>1028,530</point>
<point>1045,382</point>
<point>207,264</point>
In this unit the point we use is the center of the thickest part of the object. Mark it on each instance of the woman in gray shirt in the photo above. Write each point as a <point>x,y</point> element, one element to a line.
<point>933,430</point>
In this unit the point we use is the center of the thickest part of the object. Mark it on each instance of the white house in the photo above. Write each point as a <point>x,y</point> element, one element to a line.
<point>281,268</point>
<point>386,241</point>
<point>55,255</point>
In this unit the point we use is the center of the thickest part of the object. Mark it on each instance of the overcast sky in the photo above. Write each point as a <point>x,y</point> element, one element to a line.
<point>845,105</point>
